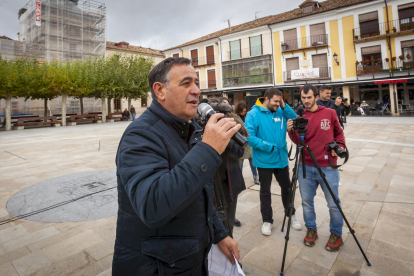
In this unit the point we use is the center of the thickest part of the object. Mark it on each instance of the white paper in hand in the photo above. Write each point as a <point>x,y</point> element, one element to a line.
<point>219,265</point>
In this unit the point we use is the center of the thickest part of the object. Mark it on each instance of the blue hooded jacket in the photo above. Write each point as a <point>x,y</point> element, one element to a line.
<point>267,132</point>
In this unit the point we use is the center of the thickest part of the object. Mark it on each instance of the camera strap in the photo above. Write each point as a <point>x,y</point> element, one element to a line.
<point>346,159</point>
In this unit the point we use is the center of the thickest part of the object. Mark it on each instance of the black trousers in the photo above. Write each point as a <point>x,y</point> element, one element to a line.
<point>265,178</point>
<point>231,214</point>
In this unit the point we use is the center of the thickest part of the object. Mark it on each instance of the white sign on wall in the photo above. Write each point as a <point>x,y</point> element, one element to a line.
<point>38,12</point>
<point>311,73</point>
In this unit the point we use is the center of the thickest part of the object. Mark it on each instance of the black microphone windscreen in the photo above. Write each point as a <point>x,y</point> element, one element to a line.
<point>300,110</point>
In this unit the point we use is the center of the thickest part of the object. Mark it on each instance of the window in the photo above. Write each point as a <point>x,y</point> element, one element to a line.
<point>176,55</point>
<point>211,78</point>
<point>210,54</point>
<point>72,47</point>
<point>256,46</point>
<point>124,46</point>
<point>291,39</point>
<point>143,102</point>
<point>406,15</point>
<point>407,48</point>
<point>371,55</point>
<point>198,77</point>
<point>321,62</point>
<point>308,9</point>
<point>117,104</point>
<point>368,23</point>
<point>317,35</point>
<point>291,64</point>
<point>194,57</point>
<point>235,51</point>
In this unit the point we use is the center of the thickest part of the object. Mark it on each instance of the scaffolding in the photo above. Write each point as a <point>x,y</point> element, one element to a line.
<point>70,29</point>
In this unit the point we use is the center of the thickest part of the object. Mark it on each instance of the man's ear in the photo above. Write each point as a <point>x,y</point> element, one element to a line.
<point>317,97</point>
<point>159,90</point>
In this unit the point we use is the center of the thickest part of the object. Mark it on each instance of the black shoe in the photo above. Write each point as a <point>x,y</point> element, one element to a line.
<point>237,223</point>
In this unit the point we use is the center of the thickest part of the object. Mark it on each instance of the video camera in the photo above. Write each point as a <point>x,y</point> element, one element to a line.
<point>300,123</point>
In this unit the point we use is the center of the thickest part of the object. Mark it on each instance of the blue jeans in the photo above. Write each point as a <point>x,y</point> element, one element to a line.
<point>308,188</point>
<point>133,116</point>
<point>253,168</point>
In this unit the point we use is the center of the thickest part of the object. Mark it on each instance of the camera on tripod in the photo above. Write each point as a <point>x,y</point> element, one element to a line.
<point>338,150</point>
<point>300,123</point>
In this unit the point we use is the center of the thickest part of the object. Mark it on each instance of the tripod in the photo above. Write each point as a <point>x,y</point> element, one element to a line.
<point>300,153</point>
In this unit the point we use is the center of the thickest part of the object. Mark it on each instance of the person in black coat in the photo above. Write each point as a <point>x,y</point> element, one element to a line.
<point>166,220</point>
<point>325,100</point>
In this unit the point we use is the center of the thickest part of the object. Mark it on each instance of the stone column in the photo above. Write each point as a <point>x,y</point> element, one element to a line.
<point>8,113</point>
<point>104,107</point>
<point>394,102</point>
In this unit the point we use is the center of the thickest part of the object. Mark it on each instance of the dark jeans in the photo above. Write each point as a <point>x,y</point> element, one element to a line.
<point>265,178</point>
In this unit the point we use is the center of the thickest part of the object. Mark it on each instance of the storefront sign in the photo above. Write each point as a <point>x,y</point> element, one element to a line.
<point>391,81</point>
<point>305,74</point>
<point>38,13</point>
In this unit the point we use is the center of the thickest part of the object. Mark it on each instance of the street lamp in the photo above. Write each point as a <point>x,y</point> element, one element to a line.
<point>335,56</point>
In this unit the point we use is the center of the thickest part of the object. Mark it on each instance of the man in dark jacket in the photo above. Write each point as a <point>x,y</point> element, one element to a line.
<point>125,115</point>
<point>325,100</point>
<point>166,220</point>
<point>133,112</point>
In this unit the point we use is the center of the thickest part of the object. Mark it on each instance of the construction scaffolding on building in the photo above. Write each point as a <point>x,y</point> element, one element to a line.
<point>65,29</point>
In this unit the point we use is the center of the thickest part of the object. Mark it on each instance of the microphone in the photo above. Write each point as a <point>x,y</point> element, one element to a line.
<point>206,111</point>
<point>300,110</point>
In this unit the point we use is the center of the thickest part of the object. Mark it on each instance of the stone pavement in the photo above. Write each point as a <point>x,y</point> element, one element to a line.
<point>377,197</point>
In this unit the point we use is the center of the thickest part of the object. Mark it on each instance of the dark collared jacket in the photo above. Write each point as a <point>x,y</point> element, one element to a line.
<point>166,219</point>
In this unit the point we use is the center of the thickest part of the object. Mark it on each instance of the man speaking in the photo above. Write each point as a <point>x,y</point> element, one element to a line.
<point>166,219</point>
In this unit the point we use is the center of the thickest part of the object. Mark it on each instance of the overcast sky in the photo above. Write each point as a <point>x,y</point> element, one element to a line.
<point>162,24</point>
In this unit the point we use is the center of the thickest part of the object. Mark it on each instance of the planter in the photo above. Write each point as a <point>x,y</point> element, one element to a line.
<point>356,37</point>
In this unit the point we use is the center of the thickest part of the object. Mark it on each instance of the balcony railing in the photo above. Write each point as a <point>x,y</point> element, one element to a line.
<point>387,66</point>
<point>211,84</point>
<point>200,61</point>
<point>305,42</point>
<point>248,80</point>
<point>245,53</point>
<point>382,29</point>
<point>324,73</point>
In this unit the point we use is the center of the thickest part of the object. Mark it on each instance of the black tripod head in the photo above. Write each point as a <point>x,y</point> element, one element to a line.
<point>300,123</point>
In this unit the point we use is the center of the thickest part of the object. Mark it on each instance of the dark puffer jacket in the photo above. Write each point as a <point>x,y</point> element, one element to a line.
<point>166,220</point>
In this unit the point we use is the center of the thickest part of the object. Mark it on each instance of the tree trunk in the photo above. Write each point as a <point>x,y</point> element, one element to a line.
<point>104,110</point>
<point>109,105</point>
<point>8,113</point>
<point>45,113</point>
<point>64,98</point>
<point>129,103</point>
<point>81,104</point>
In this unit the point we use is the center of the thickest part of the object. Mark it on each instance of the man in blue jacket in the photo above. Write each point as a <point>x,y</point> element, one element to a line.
<point>267,123</point>
<point>166,220</point>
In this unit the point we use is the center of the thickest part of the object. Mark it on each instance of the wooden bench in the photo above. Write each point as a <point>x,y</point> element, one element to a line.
<point>59,116</point>
<point>114,116</point>
<point>94,118</point>
<point>33,121</point>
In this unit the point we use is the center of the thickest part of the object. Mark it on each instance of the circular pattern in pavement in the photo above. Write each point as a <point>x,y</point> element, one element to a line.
<point>75,197</point>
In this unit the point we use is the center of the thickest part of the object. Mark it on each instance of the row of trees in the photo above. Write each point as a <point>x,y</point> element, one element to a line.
<point>117,76</point>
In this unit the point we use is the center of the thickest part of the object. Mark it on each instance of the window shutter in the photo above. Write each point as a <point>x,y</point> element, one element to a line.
<point>368,16</point>
<point>406,13</point>
<point>210,54</point>
<point>194,57</point>
<point>371,50</point>
<point>176,55</point>
<point>317,33</point>
<point>407,43</point>
<point>211,78</point>
<point>291,38</point>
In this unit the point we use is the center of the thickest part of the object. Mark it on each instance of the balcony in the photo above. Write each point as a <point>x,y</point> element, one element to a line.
<point>322,73</point>
<point>201,61</point>
<point>211,84</point>
<point>385,68</point>
<point>305,42</point>
<point>381,30</point>
<point>248,72</point>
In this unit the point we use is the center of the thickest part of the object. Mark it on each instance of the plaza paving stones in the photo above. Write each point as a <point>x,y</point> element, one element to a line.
<point>376,195</point>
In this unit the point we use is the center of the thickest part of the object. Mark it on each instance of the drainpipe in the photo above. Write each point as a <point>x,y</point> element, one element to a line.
<point>221,66</point>
<point>389,47</point>
<point>273,57</point>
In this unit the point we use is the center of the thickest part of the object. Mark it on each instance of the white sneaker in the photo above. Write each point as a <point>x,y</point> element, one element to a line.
<point>340,184</point>
<point>295,223</point>
<point>267,228</point>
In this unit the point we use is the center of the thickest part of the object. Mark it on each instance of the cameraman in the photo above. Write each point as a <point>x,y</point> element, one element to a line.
<point>325,100</point>
<point>322,129</point>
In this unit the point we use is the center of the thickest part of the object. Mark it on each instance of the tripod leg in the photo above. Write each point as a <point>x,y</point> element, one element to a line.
<point>336,202</point>
<point>291,204</point>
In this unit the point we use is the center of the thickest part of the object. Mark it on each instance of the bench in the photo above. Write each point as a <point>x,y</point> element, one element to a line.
<point>73,119</point>
<point>33,121</point>
<point>114,116</point>
<point>59,116</point>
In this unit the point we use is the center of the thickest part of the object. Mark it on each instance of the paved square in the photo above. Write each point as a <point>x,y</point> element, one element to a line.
<point>377,195</point>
